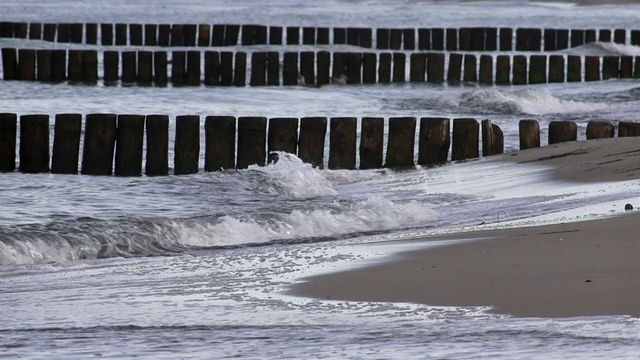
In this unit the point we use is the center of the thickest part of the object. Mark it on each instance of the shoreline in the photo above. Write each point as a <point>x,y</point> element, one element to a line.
<point>584,268</point>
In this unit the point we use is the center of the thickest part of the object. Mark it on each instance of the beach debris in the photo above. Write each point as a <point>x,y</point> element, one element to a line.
<point>587,281</point>
<point>628,207</point>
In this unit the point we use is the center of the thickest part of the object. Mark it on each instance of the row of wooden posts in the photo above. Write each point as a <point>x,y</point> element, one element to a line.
<point>257,137</point>
<point>450,39</point>
<point>316,68</point>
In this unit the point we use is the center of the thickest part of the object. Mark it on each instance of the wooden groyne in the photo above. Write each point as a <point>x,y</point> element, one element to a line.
<point>272,68</point>
<point>204,35</point>
<point>114,143</point>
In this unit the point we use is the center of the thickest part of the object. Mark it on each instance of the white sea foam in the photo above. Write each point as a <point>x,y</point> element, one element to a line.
<point>527,101</point>
<point>617,49</point>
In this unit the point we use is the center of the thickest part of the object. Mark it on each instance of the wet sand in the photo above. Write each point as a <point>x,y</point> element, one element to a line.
<point>562,270</point>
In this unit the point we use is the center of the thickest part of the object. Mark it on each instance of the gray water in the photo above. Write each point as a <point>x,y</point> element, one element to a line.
<point>196,266</point>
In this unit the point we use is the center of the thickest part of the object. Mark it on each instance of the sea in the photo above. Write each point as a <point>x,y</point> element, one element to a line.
<point>198,266</point>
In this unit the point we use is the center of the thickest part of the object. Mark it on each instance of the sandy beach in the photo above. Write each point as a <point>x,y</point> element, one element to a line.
<point>561,270</point>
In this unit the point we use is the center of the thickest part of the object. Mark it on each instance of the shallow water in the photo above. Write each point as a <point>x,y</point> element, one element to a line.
<point>196,266</point>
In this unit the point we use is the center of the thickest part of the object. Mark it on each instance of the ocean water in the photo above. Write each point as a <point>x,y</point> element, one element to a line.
<point>197,266</point>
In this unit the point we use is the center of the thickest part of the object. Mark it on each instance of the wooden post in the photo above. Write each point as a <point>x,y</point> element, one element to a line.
<point>217,35</point>
<point>592,68</point>
<point>190,34</point>
<point>424,39</point>
<point>470,68</point>
<point>177,35</point>
<point>324,67</point>
<point>610,67</point>
<point>486,69</point>
<point>490,139</point>
<point>506,39</point>
<point>498,139</point>
<point>187,145</point>
<point>91,33</point>
<point>204,35</point>
<point>466,137</point>
<point>260,35</point>
<point>226,68</point>
<point>395,39</point>
<point>121,34</point>
<point>435,68</point>
<point>455,68</point>
<point>157,163</point>
<point>151,35</point>
<point>550,40</point>
<point>402,131</point>
<point>44,65</point>
<point>273,68</point>
<point>135,33</point>
<point>106,33</point>
<point>178,67</point>
<point>308,35</point>
<point>323,36</point>
<point>437,39</point>
<point>503,70</point>
<point>434,141</point>
<point>145,68</point>
<point>366,38</point>
<point>556,68</point>
<point>49,32</point>
<point>34,143</point>
<point>58,65</point>
<point>275,35</point>
<point>258,69</point>
<point>574,68</point>
<point>129,67</point>
<point>577,37</point>
<point>635,37</point>
<point>248,34</point>
<point>231,35</point>
<point>562,131</point>
<point>417,69</point>
<point>529,131</point>
<point>66,144</point>
<point>382,39</point>
<point>519,70</point>
<point>20,29</point>
<point>626,67</point>
<point>538,69</point>
<point>534,42</point>
<point>600,130</point>
<point>477,39</point>
<point>252,138</point>
<point>307,67</point>
<point>77,32</point>
<point>8,131</point>
<point>290,69</point>
<point>620,36</point>
<point>129,145</point>
<point>339,65</point>
<point>160,77</point>
<point>35,31</point>
<point>74,68</point>
<point>99,141</point>
<point>164,35</point>
<point>464,38</point>
<point>193,68</point>
<point>384,69</point>
<point>64,33</point>
<point>369,67</point>
<point>211,68</point>
<point>589,36</point>
<point>283,135</point>
<point>27,64</point>
<point>220,135</point>
<point>293,35</point>
<point>562,39</point>
<point>342,143</point>
<point>7,29</point>
<point>313,131</point>
<point>354,68</point>
<point>371,140</point>
<point>240,69</point>
<point>409,39</point>
<point>627,129</point>
<point>90,66</point>
<point>491,39</point>
<point>399,64</point>
<point>604,35</point>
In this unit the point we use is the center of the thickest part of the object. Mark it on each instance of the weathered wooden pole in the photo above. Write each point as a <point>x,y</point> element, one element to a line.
<point>252,138</point>
<point>470,68</point>
<point>384,68</point>
<point>106,33</point>
<point>164,35</point>
<point>491,39</point>
<point>231,33</point>
<point>44,65</point>
<point>626,67</point>
<point>66,144</point>
<point>492,139</point>
<point>486,69</point>
<point>550,40</point>
<point>339,36</point>
<point>157,160</point>
<point>177,35</point>
<point>399,65</point>
<point>220,148</point>
<point>538,69</point>
<point>283,135</point>
<point>577,37</point>
<point>592,68</point>
<point>190,34</point>
<point>77,32</point>
<point>503,70</point>
<point>307,67</point>
<point>498,139</point>
<point>395,39</point>
<point>562,131</point>
<point>562,39</point>
<point>64,33</point>
<point>151,35</point>
<point>121,34</point>
<point>240,69</point>
<point>34,143</point>
<point>258,69</point>
<point>187,145</point>
<point>90,66</point>
<point>424,39</point>
<point>275,35</point>
<point>342,143</point>
<point>193,68</point>
<point>8,132</point>
<point>466,138</point>
<point>455,68</point>
<point>434,141</point>
<point>226,68</point>
<point>49,32</point>
<point>145,68</point>
<point>129,145</point>
<point>74,66</point>
<point>437,39</point>
<point>519,70</point>
<point>600,130</point>
<point>204,35</point>
<point>506,39</point>
<point>135,34</point>
<point>290,69</point>
<point>627,129</point>
<point>409,39</point>
<point>293,35</point>
<point>610,67</point>
<point>273,68</point>
<point>99,141</point>
<point>322,36</point>
<point>369,67</point>
<point>178,67</point>
<point>574,68</point>
<point>417,67</point>
<point>371,141</point>
<point>91,33</point>
<point>308,35</point>
<point>27,64</point>
<point>402,131</point>
<point>313,131</point>
<point>35,31</point>
<point>58,65</point>
<point>382,39</point>
<point>354,68</point>
<point>130,67</point>
<point>529,131</point>
<point>435,68</point>
<point>556,68</point>
<point>211,68</point>
<point>160,77</point>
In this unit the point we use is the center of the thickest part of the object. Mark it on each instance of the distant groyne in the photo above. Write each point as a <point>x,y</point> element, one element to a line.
<point>113,143</point>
